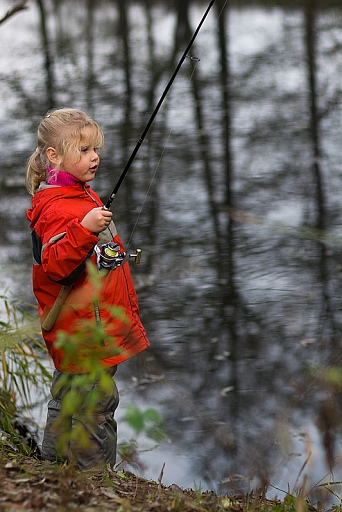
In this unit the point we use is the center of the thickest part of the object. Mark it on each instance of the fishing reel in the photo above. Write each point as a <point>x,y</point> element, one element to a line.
<point>110,257</point>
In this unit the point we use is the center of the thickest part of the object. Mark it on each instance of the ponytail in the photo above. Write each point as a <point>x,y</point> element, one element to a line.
<point>35,172</point>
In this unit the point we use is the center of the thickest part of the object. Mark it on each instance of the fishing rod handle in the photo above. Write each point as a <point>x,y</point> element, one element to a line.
<point>54,312</point>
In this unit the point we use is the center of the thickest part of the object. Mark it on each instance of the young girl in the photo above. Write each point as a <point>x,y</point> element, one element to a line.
<point>67,223</point>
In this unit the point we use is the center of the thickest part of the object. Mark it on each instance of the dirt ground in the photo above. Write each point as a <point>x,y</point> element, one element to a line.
<point>31,485</point>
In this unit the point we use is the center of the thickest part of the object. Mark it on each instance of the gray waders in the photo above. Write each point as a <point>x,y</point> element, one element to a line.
<point>100,427</point>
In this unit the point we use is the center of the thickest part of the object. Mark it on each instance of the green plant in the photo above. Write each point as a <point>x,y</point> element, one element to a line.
<point>75,402</point>
<point>22,371</point>
<point>148,423</point>
<point>87,345</point>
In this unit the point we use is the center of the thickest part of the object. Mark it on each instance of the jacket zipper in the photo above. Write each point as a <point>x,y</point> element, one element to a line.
<point>96,302</point>
<point>89,195</point>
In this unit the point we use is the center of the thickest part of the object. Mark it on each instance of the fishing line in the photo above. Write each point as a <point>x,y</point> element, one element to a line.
<point>148,190</point>
<point>194,59</point>
<point>154,113</point>
<point>221,11</point>
<point>156,110</point>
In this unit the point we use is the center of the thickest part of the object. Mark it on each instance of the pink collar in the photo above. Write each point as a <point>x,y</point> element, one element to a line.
<point>60,178</point>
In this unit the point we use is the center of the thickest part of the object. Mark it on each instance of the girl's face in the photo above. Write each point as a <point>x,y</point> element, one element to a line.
<point>83,168</point>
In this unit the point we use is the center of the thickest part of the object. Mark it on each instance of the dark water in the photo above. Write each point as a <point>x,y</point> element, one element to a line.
<point>234,198</point>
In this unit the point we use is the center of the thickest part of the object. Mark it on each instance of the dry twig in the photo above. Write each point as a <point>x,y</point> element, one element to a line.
<point>16,8</point>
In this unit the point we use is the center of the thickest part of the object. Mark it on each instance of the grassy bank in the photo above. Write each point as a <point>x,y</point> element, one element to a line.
<point>31,485</point>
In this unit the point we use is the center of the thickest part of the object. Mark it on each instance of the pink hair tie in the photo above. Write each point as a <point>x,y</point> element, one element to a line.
<point>38,151</point>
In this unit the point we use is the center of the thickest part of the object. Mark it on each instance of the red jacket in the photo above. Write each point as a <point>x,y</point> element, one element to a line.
<point>61,247</point>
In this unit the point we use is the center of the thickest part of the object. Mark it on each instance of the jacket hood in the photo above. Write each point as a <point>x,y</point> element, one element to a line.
<point>46,195</point>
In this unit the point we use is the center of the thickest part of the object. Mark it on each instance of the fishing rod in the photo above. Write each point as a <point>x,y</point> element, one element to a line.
<point>156,110</point>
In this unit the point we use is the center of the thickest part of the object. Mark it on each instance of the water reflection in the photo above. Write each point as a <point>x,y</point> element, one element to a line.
<point>229,197</point>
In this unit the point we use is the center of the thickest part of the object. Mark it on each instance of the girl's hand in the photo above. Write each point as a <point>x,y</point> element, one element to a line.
<point>97,219</point>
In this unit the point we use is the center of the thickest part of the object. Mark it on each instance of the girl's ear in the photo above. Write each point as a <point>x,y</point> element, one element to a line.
<point>52,155</point>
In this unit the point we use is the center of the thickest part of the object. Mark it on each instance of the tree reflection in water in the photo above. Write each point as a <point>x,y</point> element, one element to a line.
<point>236,192</point>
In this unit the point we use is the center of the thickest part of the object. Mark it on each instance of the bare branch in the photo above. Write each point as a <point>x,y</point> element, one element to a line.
<point>17,7</point>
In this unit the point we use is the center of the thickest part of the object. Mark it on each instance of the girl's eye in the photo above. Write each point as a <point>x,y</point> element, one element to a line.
<point>84,150</point>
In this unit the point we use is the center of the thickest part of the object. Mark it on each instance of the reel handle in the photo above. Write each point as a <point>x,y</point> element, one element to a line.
<point>136,257</point>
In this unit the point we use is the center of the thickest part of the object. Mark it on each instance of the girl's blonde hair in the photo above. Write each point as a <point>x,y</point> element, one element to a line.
<point>62,129</point>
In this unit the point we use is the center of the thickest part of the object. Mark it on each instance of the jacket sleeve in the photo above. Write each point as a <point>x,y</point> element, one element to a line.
<point>66,244</point>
